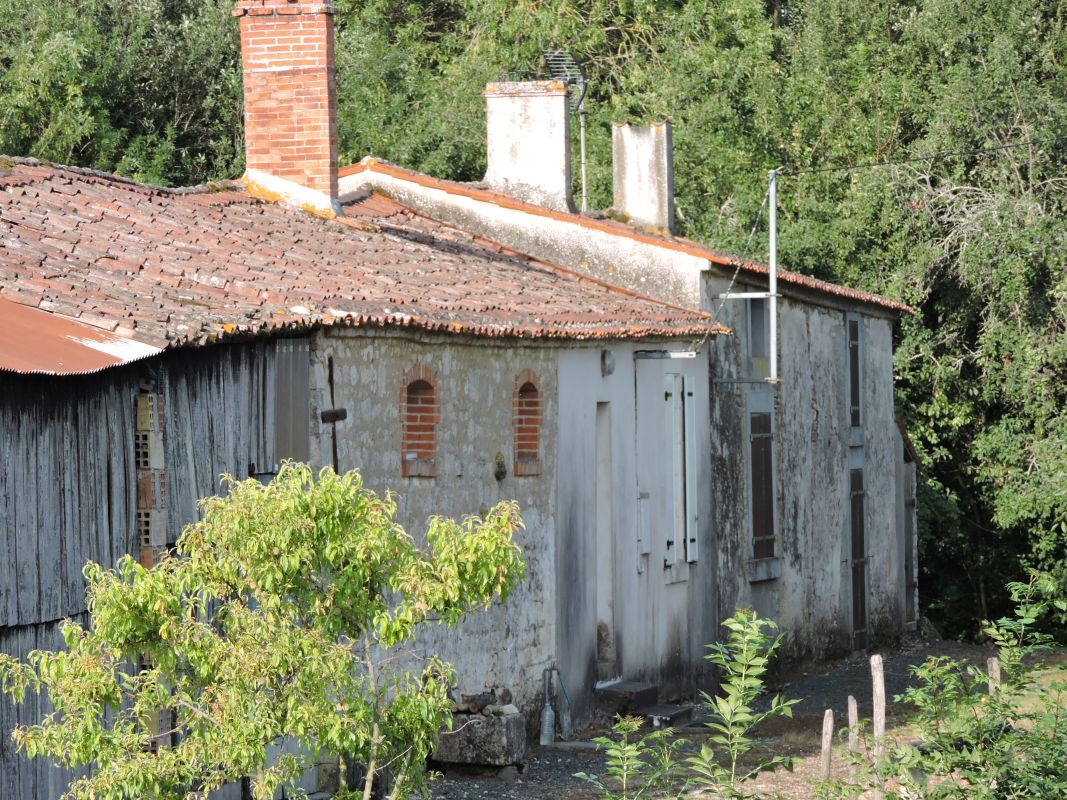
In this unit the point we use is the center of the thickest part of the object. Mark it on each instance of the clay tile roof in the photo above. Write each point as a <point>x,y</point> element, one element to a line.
<point>656,238</point>
<point>186,267</point>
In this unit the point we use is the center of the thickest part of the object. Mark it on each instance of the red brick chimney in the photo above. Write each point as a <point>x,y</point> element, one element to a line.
<point>287,51</point>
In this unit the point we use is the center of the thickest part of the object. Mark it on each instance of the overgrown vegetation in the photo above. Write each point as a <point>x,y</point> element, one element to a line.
<point>656,765</point>
<point>972,735</point>
<point>281,617</point>
<point>976,241</point>
<point>977,739</point>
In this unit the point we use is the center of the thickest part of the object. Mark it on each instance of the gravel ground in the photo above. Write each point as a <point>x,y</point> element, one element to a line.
<point>549,774</point>
<point>828,684</point>
<point>545,775</point>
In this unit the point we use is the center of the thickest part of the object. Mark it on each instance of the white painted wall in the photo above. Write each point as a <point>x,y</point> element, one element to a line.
<point>662,617</point>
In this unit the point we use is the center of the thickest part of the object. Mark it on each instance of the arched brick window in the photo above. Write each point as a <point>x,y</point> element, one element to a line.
<point>526,410</point>
<point>419,414</point>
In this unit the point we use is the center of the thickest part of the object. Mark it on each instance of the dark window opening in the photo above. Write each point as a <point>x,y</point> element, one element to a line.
<point>761,442</point>
<point>854,372</point>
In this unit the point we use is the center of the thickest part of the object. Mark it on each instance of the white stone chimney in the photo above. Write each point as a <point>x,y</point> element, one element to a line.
<point>643,166</point>
<point>529,152</point>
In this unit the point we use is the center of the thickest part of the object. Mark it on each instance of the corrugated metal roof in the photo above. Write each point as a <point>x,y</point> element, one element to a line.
<point>35,341</point>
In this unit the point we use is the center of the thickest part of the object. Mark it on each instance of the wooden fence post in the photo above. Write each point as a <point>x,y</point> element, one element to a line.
<point>827,742</point>
<point>993,668</point>
<point>878,685</point>
<point>853,734</point>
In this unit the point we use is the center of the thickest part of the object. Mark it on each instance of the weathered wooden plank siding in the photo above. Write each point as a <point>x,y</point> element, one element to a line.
<point>216,421</point>
<point>68,492</point>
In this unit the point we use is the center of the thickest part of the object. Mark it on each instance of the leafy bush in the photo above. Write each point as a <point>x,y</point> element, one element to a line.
<point>649,765</point>
<point>972,742</point>
<point>641,767</point>
<point>279,617</point>
<point>742,660</point>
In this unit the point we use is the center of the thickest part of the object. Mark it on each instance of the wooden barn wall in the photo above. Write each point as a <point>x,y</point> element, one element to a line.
<point>68,492</point>
<point>219,414</point>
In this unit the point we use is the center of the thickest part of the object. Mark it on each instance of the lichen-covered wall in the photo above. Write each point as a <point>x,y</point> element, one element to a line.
<point>509,644</point>
<point>808,590</point>
<point>643,267</point>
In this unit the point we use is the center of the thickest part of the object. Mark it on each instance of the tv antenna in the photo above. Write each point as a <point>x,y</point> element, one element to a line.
<point>563,66</point>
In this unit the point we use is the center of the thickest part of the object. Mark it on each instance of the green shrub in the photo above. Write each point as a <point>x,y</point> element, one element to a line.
<point>648,765</point>
<point>279,617</point>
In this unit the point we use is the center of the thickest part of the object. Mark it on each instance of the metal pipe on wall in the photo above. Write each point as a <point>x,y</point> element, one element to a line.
<point>773,308</point>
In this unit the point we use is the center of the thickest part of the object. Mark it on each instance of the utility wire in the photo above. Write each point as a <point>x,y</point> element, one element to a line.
<point>737,270</point>
<point>744,254</point>
<point>920,159</point>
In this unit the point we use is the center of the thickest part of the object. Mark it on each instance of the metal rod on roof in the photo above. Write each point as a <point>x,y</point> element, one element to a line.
<point>773,202</point>
<point>581,127</point>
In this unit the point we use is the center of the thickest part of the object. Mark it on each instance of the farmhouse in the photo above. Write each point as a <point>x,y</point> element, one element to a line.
<point>459,345</point>
<point>813,483</point>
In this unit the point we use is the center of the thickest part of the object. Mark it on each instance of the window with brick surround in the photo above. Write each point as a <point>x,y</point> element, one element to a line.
<point>419,415</point>
<point>526,412</point>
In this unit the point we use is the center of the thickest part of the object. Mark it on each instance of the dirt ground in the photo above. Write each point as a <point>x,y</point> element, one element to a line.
<point>549,774</point>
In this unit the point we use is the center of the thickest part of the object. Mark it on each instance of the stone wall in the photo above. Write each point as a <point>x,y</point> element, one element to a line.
<point>509,644</point>
<point>808,590</point>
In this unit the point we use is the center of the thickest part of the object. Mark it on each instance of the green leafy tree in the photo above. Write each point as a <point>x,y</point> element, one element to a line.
<point>151,89</point>
<point>282,616</point>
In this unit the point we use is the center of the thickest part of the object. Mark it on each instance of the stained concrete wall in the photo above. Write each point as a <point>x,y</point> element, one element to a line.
<point>529,141</point>
<point>660,617</point>
<point>807,590</point>
<point>643,173</point>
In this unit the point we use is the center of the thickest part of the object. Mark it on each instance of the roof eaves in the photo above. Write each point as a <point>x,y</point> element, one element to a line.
<point>38,342</point>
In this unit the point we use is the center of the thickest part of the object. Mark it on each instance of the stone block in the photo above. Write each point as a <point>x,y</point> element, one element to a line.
<point>476,739</point>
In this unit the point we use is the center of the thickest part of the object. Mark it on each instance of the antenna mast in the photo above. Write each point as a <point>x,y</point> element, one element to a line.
<point>563,66</point>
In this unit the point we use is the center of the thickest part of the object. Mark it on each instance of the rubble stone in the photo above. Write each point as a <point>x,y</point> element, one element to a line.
<point>476,739</point>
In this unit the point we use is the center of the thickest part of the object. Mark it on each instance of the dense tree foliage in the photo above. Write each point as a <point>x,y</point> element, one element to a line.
<point>976,242</point>
<point>287,613</point>
<point>148,88</point>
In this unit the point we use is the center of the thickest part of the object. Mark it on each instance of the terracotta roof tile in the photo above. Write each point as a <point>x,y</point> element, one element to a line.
<point>677,243</point>
<point>190,267</point>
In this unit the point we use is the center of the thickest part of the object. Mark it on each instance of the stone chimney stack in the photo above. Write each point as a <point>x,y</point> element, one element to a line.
<point>529,155</point>
<point>643,165</point>
<point>287,52</point>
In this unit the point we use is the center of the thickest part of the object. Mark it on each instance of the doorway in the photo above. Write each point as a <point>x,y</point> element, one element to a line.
<point>606,652</point>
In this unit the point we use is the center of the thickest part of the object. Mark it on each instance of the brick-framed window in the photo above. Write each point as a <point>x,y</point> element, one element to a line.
<point>419,415</point>
<point>527,407</point>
